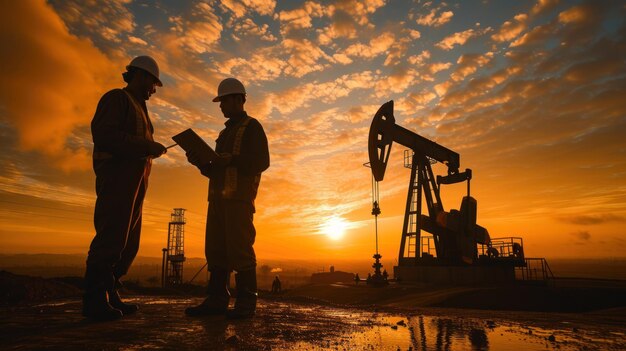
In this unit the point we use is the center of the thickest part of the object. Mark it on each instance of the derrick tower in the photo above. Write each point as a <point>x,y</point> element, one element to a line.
<point>174,255</point>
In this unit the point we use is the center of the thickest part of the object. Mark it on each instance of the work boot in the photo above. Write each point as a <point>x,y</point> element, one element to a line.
<point>96,307</point>
<point>219,296</point>
<point>116,302</point>
<point>245,304</point>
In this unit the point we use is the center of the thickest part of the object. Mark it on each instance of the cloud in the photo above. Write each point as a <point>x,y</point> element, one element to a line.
<point>536,36</point>
<point>240,8</point>
<point>432,19</point>
<point>358,9</point>
<point>576,14</point>
<point>361,113</point>
<point>136,40</point>
<point>201,32</point>
<point>347,18</point>
<point>592,219</point>
<point>263,65</point>
<point>376,46</point>
<point>397,81</point>
<point>582,235</point>
<point>460,38</point>
<point>50,87</point>
<point>511,29</point>
<point>573,26</point>
<point>543,6</point>
<point>413,103</point>
<point>342,58</point>
<point>442,88</point>
<point>479,87</point>
<point>468,64</point>
<point>16,182</point>
<point>327,92</point>
<point>109,20</point>
<point>248,28</point>
<point>299,18</point>
<point>303,57</point>
<point>397,51</point>
<point>419,59</point>
<point>342,25</point>
<point>297,48</point>
<point>414,34</point>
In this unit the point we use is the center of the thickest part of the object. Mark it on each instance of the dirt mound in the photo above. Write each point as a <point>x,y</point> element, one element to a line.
<point>16,289</point>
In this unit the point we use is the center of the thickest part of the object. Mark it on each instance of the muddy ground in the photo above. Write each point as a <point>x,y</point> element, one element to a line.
<point>285,325</point>
<point>339,317</point>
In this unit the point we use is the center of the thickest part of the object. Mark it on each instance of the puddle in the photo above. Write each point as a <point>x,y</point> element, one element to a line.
<point>155,301</point>
<point>458,334</point>
<point>55,304</point>
<point>282,325</point>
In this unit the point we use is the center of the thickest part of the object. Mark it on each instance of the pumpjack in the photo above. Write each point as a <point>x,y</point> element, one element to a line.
<point>457,249</point>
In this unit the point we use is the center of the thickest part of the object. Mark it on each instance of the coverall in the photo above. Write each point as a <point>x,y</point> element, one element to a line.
<point>122,132</point>
<point>230,232</point>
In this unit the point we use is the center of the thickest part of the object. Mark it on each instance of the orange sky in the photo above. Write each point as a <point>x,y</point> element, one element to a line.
<point>531,96</point>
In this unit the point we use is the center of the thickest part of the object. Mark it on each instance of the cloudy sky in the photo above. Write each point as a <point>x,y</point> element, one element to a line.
<point>531,94</point>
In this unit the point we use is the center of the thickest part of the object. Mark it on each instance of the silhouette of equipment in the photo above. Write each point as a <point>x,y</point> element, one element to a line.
<point>174,254</point>
<point>456,239</point>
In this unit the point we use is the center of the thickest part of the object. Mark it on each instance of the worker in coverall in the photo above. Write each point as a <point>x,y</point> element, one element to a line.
<point>122,156</point>
<point>234,181</point>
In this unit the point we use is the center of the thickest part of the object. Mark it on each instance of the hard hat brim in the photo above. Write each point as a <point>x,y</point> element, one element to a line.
<point>219,97</point>
<point>159,83</point>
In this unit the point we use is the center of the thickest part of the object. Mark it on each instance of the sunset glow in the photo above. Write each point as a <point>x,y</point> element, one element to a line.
<point>531,94</point>
<point>335,228</point>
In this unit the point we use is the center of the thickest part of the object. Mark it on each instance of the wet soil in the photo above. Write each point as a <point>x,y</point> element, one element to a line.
<point>287,325</point>
<point>40,314</point>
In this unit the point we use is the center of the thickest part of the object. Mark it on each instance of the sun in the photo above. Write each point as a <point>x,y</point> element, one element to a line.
<point>334,228</point>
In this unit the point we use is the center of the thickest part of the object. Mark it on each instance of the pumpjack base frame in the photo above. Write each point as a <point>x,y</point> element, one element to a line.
<point>456,275</point>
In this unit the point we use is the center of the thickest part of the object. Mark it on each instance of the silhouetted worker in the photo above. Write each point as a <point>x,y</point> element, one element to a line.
<point>122,156</point>
<point>385,274</point>
<point>276,286</point>
<point>357,279</point>
<point>234,181</point>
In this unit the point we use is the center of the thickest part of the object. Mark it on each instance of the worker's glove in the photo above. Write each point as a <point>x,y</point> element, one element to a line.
<point>193,158</point>
<point>156,149</point>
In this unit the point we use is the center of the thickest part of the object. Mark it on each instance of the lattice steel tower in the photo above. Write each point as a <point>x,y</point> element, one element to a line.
<point>175,255</point>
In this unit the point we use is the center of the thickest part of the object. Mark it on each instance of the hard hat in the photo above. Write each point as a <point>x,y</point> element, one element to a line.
<point>229,86</point>
<point>147,64</point>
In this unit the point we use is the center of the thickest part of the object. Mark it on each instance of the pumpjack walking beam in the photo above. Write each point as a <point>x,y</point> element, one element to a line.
<point>384,131</point>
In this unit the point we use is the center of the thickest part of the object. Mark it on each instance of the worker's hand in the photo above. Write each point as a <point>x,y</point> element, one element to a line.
<point>193,158</point>
<point>223,159</point>
<point>156,149</point>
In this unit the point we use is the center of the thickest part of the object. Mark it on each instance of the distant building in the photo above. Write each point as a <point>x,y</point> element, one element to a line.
<point>332,277</point>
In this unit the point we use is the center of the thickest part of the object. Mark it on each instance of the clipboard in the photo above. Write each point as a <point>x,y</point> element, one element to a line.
<point>190,141</point>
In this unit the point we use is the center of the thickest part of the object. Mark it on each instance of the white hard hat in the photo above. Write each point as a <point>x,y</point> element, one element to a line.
<point>229,86</point>
<point>147,64</point>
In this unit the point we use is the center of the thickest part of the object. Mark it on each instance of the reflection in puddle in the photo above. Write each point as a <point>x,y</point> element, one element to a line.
<point>281,325</point>
<point>378,332</point>
<point>159,301</point>
<point>55,304</point>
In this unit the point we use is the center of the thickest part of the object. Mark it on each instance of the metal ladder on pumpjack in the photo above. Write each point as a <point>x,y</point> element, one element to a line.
<point>414,207</point>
